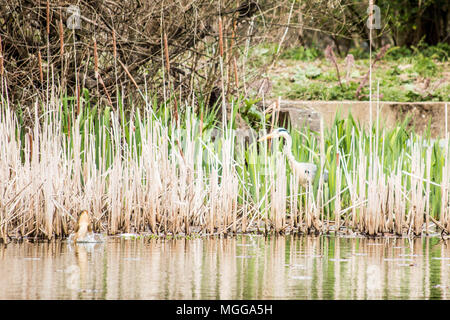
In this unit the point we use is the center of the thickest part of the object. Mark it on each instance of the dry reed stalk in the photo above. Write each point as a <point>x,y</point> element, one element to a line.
<point>427,190</point>
<point>383,199</point>
<point>278,193</point>
<point>308,218</point>
<point>445,196</point>
<point>234,203</point>
<point>444,216</point>
<point>232,59</point>
<point>166,54</point>
<point>220,37</point>
<point>61,50</point>
<point>235,69</point>
<point>229,186</point>
<point>233,36</point>
<point>244,216</point>
<point>293,201</point>
<point>390,205</point>
<point>370,25</point>
<point>2,70</point>
<point>95,59</point>
<point>106,91</point>
<point>61,39</point>
<point>399,201</point>
<point>373,201</point>
<point>201,123</point>
<point>362,169</point>
<point>48,17</point>
<point>301,209</point>
<point>41,74</point>
<point>284,33</point>
<point>167,59</point>
<point>97,74</point>
<point>222,85</point>
<point>320,199</point>
<point>228,69</point>
<point>128,74</point>
<point>78,100</point>
<point>337,203</point>
<point>214,193</point>
<point>246,51</point>
<point>115,63</point>
<point>351,182</point>
<point>30,144</point>
<point>114,45</point>
<point>417,199</point>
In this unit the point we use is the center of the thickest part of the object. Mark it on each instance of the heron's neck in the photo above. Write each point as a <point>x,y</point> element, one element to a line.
<point>287,149</point>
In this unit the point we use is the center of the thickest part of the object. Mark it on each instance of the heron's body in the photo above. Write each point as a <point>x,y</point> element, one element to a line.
<point>304,171</point>
<point>83,226</point>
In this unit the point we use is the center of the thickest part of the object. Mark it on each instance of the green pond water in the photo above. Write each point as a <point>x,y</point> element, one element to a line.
<point>242,267</point>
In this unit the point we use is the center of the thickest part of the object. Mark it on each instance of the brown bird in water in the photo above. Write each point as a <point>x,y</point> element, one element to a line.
<point>83,226</point>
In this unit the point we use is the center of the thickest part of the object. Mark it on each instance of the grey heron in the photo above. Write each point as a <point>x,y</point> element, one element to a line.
<point>304,171</point>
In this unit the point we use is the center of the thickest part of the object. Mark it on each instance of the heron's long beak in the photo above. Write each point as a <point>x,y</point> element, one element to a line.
<point>266,137</point>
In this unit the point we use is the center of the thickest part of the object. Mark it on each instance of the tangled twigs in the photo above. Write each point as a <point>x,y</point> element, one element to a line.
<point>126,31</point>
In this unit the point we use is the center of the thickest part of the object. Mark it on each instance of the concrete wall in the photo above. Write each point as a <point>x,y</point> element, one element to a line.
<point>301,113</point>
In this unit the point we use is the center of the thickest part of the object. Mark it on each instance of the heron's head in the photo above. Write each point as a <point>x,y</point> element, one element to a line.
<point>280,132</point>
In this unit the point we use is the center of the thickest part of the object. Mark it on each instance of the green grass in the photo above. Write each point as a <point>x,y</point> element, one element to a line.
<point>304,74</point>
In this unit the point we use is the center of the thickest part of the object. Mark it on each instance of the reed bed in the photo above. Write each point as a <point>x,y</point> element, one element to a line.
<point>140,172</point>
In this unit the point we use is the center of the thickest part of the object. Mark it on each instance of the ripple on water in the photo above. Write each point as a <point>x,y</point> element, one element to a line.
<point>310,256</point>
<point>406,264</point>
<point>440,286</point>
<point>360,254</point>
<point>295,266</point>
<point>301,277</point>
<point>339,260</point>
<point>397,259</point>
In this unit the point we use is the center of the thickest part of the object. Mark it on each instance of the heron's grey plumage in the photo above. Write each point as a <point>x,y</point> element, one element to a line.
<point>304,171</point>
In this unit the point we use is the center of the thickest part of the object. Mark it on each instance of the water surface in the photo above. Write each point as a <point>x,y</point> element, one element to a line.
<point>243,267</point>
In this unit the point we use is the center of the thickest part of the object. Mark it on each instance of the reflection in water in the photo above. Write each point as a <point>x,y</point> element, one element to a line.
<point>245,267</point>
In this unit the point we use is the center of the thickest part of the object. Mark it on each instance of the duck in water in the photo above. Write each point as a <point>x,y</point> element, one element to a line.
<point>83,227</point>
